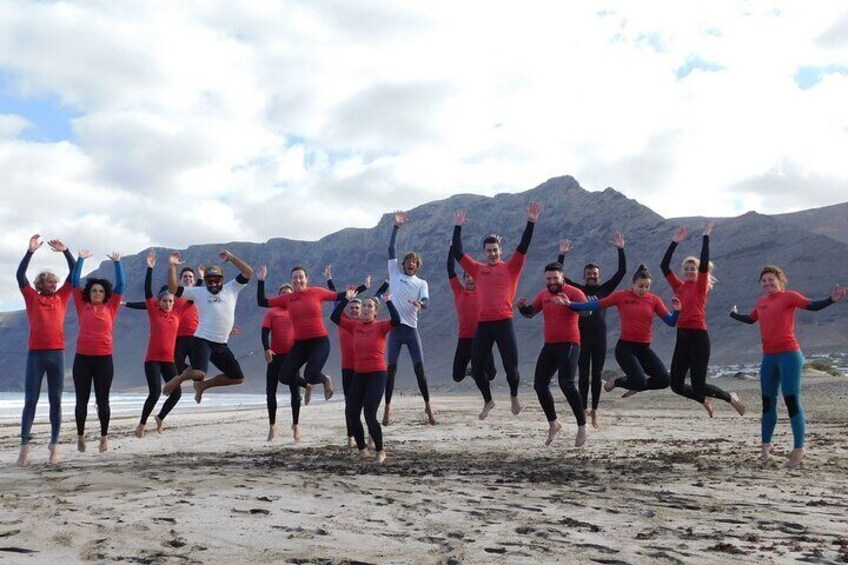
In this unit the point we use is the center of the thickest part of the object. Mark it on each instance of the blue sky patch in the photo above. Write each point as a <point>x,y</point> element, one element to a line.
<point>696,63</point>
<point>809,76</point>
<point>50,121</point>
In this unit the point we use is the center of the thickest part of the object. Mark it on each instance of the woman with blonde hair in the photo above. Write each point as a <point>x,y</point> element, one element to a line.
<point>692,349</point>
<point>782,357</point>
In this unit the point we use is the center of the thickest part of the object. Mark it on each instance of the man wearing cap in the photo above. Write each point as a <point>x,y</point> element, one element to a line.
<point>216,308</point>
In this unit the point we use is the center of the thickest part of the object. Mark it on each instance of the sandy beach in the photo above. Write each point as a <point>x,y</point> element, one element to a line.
<point>659,482</point>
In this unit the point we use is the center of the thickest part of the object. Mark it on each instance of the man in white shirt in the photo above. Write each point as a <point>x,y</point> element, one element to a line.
<point>216,308</point>
<point>410,296</point>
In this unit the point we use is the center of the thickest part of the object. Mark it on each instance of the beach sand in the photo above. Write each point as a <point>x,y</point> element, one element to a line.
<point>659,482</point>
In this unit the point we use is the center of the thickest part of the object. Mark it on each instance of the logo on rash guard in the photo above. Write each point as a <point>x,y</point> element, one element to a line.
<point>214,299</point>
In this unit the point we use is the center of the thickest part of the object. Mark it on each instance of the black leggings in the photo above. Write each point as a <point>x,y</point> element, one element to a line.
<point>561,358</point>
<point>273,377</point>
<point>310,352</point>
<point>152,371</point>
<point>692,354</point>
<point>96,369</point>
<point>593,351</point>
<point>638,360</point>
<point>463,356</point>
<point>347,383</point>
<point>366,392</point>
<point>182,349</point>
<point>488,334</point>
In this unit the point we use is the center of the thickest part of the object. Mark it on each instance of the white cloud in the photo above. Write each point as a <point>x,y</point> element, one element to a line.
<point>212,121</point>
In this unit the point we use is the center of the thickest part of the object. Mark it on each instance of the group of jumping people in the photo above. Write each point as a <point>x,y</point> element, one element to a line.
<point>192,316</point>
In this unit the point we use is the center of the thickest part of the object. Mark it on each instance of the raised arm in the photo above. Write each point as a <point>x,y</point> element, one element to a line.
<point>261,299</point>
<point>120,276</point>
<point>33,246</point>
<point>382,290</point>
<point>665,264</point>
<point>148,276</point>
<point>835,296</point>
<point>609,286</point>
<point>59,247</point>
<point>77,272</point>
<point>346,297</point>
<point>394,317</point>
<point>173,262</point>
<point>533,212</point>
<point>451,264</point>
<point>704,266</point>
<point>460,218</point>
<point>328,276</point>
<point>399,218</point>
<point>245,271</point>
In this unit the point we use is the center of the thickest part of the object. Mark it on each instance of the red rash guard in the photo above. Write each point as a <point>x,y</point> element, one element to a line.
<point>693,300</point>
<point>776,314</point>
<point>346,345</point>
<point>189,319</point>
<point>467,304</point>
<point>496,284</point>
<point>46,315</point>
<point>95,324</point>
<point>305,310</point>
<point>560,321</point>
<point>636,313</point>
<point>369,343</point>
<point>164,327</point>
<point>282,330</point>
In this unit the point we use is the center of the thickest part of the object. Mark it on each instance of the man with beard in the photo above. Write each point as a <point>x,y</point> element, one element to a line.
<point>216,308</point>
<point>593,328</point>
<point>561,349</point>
<point>411,295</point>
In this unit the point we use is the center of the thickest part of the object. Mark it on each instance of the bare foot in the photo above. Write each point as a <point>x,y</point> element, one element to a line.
<point>351,442</point>
<point>139,431</point>
<point>272,431</point>
<point>54,454</point>
<point>593,415</point>
<point>23,458</point>
<point>198,391</point>
<point>765,451</point>
<point>380,457</point>
<point>328,388</point>
<point>609,384</point>
<point>737,404</point>
<point>708,406</point>
<point>486,409</point>
<point>431,416</point>
<point>582,436</point>
<point>104,444</point>
<point>296,433</point>
<point>553,431</point>
<point>387,415</point>
<point>629,393</point>
<point>796,459</point>
<point>516,405</point>
<point>81,444</point>
<point>160,423</point>
<point>365,453</point>
<point>307,395</point>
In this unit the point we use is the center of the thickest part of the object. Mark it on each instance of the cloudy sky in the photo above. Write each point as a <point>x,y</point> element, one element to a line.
<point>125,125</point>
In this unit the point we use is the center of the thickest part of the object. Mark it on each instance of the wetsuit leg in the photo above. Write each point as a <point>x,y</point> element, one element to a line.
<point>583,364</point>
<point>154,389</point>
<point>508,348</point>
<point>481,347</point>
<point>393,344</point>
<point>222,357</point>
<point>374,384</point>
<point>354,409</point>
<point>567,356</point>
<point>82,373</point>
<point>769,386</point>
<point>55,385</point>
<point>318,354</point>
<point>489,369</point>
<point>182,348</point>
<point>681,362</point>
<point>104,370</point>
<point>634,377</point>
<point>700,361</point>
<point>546,366</point>
<point>599,355</point>
<point>35,367</point>
<point>295,359</point>
<point>461,358</point>
<point>416,352</point>
<point>791,365</point>
<point>654,368</point>
<point>347,383</point>
<point>170,371</point>
<point>272,381</point>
